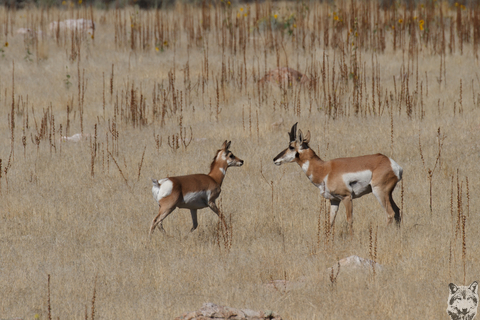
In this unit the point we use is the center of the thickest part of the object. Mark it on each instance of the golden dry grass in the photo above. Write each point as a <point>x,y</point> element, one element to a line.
<point>58,219</point>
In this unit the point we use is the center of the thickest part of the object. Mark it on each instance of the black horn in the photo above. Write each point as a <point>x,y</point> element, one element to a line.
<point>293,132</point>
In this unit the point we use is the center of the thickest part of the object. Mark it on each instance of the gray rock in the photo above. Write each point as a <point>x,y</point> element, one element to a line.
<point>213,311</point>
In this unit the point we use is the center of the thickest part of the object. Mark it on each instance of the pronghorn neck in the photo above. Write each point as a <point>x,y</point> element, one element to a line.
<point>307,155</point>
<point>307,159</point>
<point>218,169</point>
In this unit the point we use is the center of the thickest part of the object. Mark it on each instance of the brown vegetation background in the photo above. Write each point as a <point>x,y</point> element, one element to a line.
<point>155,93</point>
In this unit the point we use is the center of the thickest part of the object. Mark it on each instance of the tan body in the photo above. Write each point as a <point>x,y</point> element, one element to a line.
<point>344,179</point>
<point>195,191</point>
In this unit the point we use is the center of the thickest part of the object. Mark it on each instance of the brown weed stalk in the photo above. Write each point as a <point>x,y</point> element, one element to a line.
<point>430,172</point>
<point>333,275</point>
<point>141,163</point>
<point>94,296</point>
<point>49,306</point>
<point>118,167</point>
<point>464,246</point>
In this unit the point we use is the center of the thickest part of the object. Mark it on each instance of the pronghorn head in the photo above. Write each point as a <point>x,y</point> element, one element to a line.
<point>232,161</point>
<point>297,145</point>
<point>226,156</point>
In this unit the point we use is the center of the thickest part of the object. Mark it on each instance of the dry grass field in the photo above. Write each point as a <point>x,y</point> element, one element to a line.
<point>155,94</point>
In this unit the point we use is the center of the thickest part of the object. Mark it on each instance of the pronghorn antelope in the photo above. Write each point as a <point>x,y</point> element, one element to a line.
<point>194,191</point>
<point>344,179</point>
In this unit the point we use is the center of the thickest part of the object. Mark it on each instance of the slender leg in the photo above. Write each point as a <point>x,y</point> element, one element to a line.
<point>386,201</point>
<point>163,212</point>
<point>215,209</point>
<point>396,210</point>
<point>334,204</point>
<point>377,191</point>
<point>193,212</point>
<point>347,201</point>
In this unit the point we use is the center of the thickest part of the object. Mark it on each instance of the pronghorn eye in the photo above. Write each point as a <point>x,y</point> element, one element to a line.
<point>291,147</point>
<point>231,156</point>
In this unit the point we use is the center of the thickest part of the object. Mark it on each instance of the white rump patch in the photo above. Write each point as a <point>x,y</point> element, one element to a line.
<point>195,200</point>
<point>358,183</point>
<point>164,190</point>
<point>396,169</point>
<point>305,166</point>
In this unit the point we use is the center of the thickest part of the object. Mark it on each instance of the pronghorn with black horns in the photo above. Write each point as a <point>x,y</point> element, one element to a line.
<point>344,179</point>
<point>194,191</point>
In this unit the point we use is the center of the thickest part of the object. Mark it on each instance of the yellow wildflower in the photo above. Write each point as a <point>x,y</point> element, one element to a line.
<point>156,49</point>
<point>241,9</point>
<point>79,1</point>
<point>462,6</point>
<point>64,2</point>
<point>456,4</point>
<point>165,43</point>
<point>294,25</point>
<point>420,23</point>
<point>245,14</point>
<point>393,27</point>
<point>400,20</point>
<point>275,16</point>
<point>6,44</point>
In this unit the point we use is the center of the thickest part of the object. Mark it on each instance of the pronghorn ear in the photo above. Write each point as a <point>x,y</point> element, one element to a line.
<point>224,145</point>
<point>227,147</point>
<point>300,136</point>
<point>307,137</point>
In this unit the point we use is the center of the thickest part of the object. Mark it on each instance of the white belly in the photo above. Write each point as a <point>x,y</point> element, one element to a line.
<point>195,200</point>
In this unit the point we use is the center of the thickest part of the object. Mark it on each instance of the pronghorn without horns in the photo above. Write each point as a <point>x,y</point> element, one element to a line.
<point>344,179</point>
<point>194,191</point>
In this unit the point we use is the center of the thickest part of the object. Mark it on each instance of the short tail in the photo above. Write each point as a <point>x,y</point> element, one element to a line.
<point>400,173</point>
<point>155,183</point>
